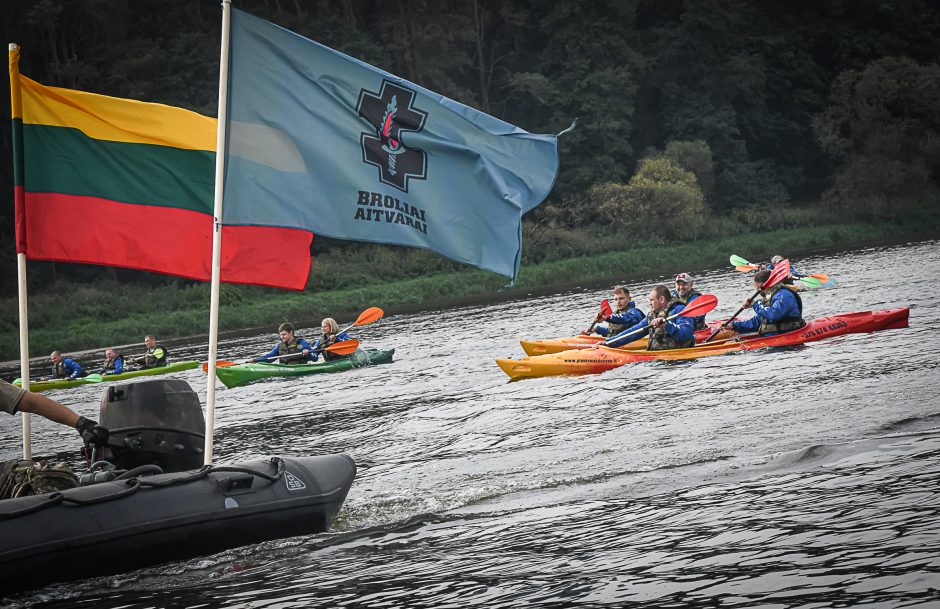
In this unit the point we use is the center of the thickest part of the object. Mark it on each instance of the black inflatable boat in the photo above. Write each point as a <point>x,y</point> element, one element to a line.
<point>138,520</point>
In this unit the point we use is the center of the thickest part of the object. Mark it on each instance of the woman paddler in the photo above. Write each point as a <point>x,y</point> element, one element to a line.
<point>331,335</point>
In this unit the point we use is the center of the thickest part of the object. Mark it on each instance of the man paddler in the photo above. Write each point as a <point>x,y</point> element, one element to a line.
<point>289,345</point>
<point>686,293</point>
<point>778,309</point>
<point>156,355</point>
<point>676,333</point>
<point>65,367</point>
<point>625,316</point>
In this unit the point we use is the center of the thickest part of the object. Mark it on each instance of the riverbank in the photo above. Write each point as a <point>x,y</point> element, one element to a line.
<point>93,317</point>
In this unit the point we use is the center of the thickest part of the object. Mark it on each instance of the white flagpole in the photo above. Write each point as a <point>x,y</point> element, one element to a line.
<point>217,229</point>
<point>21,281</point>
<point>24,348</point>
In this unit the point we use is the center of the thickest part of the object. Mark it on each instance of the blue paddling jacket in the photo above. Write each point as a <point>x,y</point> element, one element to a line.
<point>324,342</point>
<point>621,320</point>
<point>114,366</point>
<point>67,368</point>
<point>781,310</point>
<point>295,346</point>
<point>676,333</point>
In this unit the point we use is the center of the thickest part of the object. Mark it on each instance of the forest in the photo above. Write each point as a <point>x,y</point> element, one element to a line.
<point>696,120</point>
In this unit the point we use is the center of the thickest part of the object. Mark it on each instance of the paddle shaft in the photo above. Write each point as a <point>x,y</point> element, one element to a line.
<point>727,324</point>
<point>696,308</point>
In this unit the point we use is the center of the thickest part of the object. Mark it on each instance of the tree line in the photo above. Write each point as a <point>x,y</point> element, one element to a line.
<point>687,110</point>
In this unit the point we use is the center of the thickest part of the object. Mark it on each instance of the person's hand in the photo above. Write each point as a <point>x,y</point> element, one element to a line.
<point>585,333</point>
<point>657,322</point>
<point>306,351</point>
<point>92,433</point>
<point>600,316</point>
<point>748,304</point>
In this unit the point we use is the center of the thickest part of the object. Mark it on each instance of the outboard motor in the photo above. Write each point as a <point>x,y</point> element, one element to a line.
<point>156,422</point>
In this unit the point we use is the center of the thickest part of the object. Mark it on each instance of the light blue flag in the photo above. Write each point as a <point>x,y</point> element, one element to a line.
<point>320,141</point>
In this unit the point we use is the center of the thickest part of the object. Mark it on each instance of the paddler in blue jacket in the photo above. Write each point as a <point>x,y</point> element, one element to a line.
<point>65,368</point>
<point>676,333</point>
<point>626,315</point>
<point>331,335</point>
<point>289,345</point>
<point>114,363</point>
<point>685,294</point>
<point>794,274</point>
<point>779,309</point>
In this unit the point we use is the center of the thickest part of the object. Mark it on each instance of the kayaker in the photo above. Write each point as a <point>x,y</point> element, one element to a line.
<point>114,362</point>
<point>625,316</point>
<point>794,274</point>
<point>156,355</point>
<point>65,367</point>
<point>676,333</point>
<point>779,309</point>
<point>331,335</point>
<point>289,345</point>
<point>685,294</point>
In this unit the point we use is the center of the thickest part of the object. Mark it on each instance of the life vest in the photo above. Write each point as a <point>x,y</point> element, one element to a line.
<point>659,339</point>
<point>700,320</point>
<point>784,324</point>
<point>111,364</point>
<point>58,370</point>
<point>152,361</point>
<point>326,341</point>
<point>615,329</point>
<point>287,348</point>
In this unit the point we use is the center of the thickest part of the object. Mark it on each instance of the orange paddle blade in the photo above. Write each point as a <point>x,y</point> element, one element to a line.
<point>219,363</point>
<point>344,347</point>
<point>824,278</point>
<point>368,316</point>
<point>746,267</point>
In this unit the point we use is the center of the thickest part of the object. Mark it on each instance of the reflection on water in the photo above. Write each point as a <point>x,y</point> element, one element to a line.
<point>797,478</point>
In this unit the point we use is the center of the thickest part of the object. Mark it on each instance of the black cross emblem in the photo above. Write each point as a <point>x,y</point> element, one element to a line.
<point>390,112</point>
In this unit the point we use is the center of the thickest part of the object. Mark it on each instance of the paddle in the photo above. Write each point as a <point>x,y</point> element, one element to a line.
<point>740,264</point>
<point>700,306</point>
<point>780,271</point>
<point>365,318</point>
<point>344,347</point>
<point>603,314</point>
<point>810,281</point>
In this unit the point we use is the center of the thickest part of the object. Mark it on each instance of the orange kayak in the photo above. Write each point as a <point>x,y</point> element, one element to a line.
<point>601,359</point>
<point>557,345</point>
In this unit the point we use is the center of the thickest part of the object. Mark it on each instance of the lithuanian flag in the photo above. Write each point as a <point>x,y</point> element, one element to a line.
<point>119,182</point>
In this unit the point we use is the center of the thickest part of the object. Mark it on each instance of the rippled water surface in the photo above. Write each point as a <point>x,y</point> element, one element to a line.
<point>805,477</point>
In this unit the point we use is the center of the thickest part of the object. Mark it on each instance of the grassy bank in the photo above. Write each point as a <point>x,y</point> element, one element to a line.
<point>88,316</point>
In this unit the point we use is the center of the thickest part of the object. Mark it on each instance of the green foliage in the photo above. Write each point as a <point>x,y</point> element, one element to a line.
<point>883,124</point>
<point>661,201</point>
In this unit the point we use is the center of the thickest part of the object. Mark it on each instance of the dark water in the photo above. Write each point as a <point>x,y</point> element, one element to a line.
<point>807,477</point>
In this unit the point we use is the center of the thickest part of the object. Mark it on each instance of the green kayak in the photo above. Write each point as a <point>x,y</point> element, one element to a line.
<point>97,378</point>
<point>233,376</point>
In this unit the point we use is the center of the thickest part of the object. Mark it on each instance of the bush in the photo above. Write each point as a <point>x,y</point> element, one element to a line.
<point>662,201</point>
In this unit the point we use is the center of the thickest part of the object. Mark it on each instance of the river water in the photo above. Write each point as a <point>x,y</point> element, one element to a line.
<point>804,477</point>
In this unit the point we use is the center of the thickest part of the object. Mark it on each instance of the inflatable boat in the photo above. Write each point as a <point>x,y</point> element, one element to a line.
<point>134,520</point>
